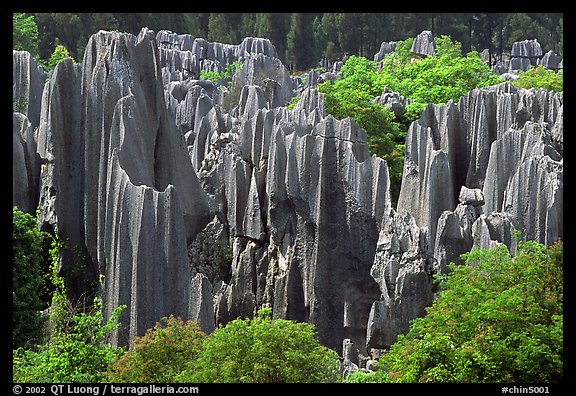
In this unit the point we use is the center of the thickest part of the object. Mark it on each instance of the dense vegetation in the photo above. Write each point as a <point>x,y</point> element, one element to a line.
<point>245,350</point>
<point>263,350</point>
<point>498,319</point>
<point>433,79</point>
<point>72,346</point>
<point>303,39</point>
<point>28,283</point>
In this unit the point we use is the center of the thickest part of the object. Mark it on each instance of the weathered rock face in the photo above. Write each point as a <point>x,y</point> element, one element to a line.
<point>189,209</point>
<point>28,83</point>
<point>524,54</point>
<point>498,141</point>
<point>424,44</point>
<point>118,185</point>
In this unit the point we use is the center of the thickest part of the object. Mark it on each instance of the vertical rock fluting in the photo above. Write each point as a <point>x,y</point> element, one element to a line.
<point>187,208</point>
<point>126,199</point>
<point>27,86</point>
<point>500,140</point>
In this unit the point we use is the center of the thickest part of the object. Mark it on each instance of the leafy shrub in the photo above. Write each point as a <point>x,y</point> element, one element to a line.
<point>263,350</point>
<point>226,75</point>
<point>77,348</point>
<point>540,77</point>
<point>498,319</point>
<point>27,280</point>
<point>60,53</point>
<point>160,354</point>
<point>351,96</point>
<point>434,79</point>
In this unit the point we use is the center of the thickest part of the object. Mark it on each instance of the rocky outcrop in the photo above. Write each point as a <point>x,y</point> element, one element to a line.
<point>525,54</point>
<point>118,185</point>
<point>551,60</point>
<point>27,85</point>
<point>493,141</point>
<point>208,202</point>
<point>386,47</point>
<point>424,44</point>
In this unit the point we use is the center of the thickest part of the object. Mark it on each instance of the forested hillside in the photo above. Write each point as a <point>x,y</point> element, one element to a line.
<point>304,39</point>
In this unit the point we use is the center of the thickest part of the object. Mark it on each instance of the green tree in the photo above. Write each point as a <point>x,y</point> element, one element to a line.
<point>25,34</point>
<point>497,319</point>
<point>263,350</point>
<point>77,349</point>
<point>161,354</point>
<point>60,53</point>
<point>28,282</point>
<point>352,96</point>
<point>299,42</point>
<point>541,77</point>
<point>219,29</point>
<point>434,79</point>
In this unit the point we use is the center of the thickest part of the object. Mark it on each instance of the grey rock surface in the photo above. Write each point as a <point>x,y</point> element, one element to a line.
<point>424,44</point>
<point>209,201</point>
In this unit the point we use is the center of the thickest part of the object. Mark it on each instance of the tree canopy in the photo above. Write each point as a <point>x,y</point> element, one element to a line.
<point>301,39</point>
<point>499,318</point>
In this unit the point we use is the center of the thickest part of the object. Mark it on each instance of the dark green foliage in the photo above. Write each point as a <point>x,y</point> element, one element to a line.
<point>159,355</point>
<point>263,350</point>
<point>318,35</point>
<point>77,348</point>
<point>498,319</point>
<point>28,284</point>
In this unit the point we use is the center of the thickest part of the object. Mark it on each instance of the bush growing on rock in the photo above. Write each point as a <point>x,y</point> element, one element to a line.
<point>498,319</point>
<point>161,354</point>
<point>432,79</point>
<point>263,350</point>
<point>541,77</point>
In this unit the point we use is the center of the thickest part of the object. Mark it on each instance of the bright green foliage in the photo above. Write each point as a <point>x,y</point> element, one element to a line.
<point>263,350</point>
<point>541,77</point>
<point>76,350</point>
<point>498,319</point>
<point>226,75</point>
<point>60,53</point>
<point>351,96</point>
<point>434,79</point>
<point>79,354</point>
<point>27,280</point>
<point>25,33</point>
<point>160,354</point>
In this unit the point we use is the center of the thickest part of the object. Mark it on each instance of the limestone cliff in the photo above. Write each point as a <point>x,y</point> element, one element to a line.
<point>209,202</point>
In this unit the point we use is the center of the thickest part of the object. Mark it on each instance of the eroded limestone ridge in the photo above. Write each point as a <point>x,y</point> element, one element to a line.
<point>208,203</point>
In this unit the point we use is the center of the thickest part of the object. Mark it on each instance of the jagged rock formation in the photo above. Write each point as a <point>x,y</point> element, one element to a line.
<point>209,202</point>
<point>27,85</point>
<point>386,47</point>
<point>551,60</point>
<point>424,44</point>
<point>524,54</point>
<point>496,140</point>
